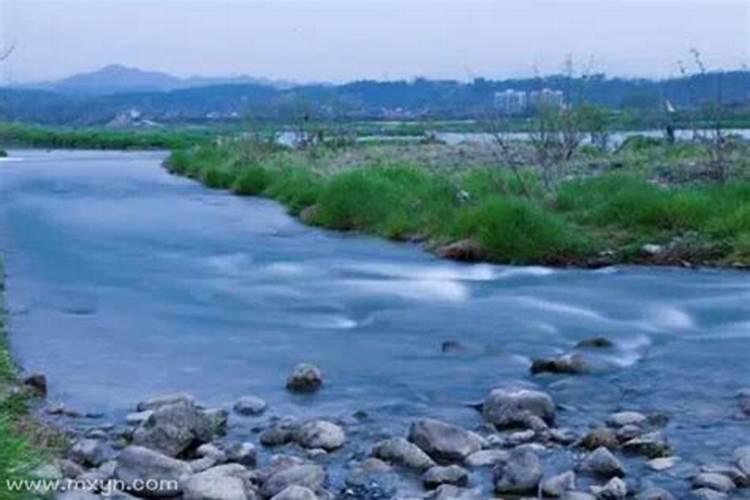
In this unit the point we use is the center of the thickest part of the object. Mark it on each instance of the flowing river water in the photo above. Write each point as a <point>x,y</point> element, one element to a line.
<point>124,282</point>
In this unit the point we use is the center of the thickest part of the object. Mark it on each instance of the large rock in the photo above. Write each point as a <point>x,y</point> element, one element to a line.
<point>164,400</point>
<point>279,433</point>
<point>242,453</point>
<point>556,486</point>
<point>444,441</point>
<point>514,407</point>
<point>519,473</point>
<point>600,436</point>
<point>305,378</point>
<point>709,494</point>
<point>450,474</point>
<point>654,493</point>
<point>615,489</point>
<point>135,463</point>
<point>451,492</point>
<point>714,481</point>
<point>309,476</point>
<point>569,364</point>
<point>486,458</point>
<point>225,482</point>
<point>651,445</point>
<point>401,452</point>
<point>91,452</point>
<point>601,462</point>
<point>173,428</point>
<point>623,418</point>
<point>250,406</point>
<point>741,459</point>
<point>320,434</point>
<point>296,493</point>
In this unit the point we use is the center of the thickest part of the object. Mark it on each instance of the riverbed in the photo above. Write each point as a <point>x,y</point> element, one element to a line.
<point>124,281</point>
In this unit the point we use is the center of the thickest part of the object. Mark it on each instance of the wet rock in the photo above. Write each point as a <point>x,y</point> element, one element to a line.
<point>444,441</point>
<point>164,400</point>
<point>202,464</point>
<point>174,428</point>
<point>623,418</point>
<point>513,407</point>
<point>37,383</point>
<point>401,452</point>
<point>651,445</point>
<point>224,482</point>
<point>217,419</point>
<point>595,343</point>
<point>735,474</point>
<point>309,476</point>
<point>320,434</point>
<point>741,459</point>
<point>248,406</point>
<point>242,453</point>
<point>466,250</point>
<point>371,479</point>
<point>654,493</point>
<point>70,469</point>
<point>662,464</point>
<point>296,493</point>
<point>628,432</point>
<point>451,492</point>
<point>601,462</point>
<point>486,458</point>
<point>452,346</point>
<point>278,434</point>
<point>714,481</point>
<point>563,436</point>
<point>556,486</point>
<point>520,473</point>
<point>135,463</point>
<point>569,364</point>
<point>138,417</point>
<point>709,494</point>
<point>363,472</point>
<point>91,452</point>
<point>212,451</point>
<point>577,495</point>
<point>451,474</point>
<point>615,489</point>
<point>305,378</point>
<point>600,437</point>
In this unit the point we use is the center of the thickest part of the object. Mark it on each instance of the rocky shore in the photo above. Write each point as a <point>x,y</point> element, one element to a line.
<point>521,449</point>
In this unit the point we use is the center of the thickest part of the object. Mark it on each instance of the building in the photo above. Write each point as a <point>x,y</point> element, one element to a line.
<point>546,98</point>
<point>511,102</point>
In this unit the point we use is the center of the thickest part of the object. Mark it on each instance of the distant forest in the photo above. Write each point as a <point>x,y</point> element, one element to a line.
<point>367,100</point>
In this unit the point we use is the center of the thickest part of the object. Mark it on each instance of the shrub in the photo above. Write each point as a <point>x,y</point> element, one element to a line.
<point>251,180</point>
<point>298,187</point>
<point>217,177</point>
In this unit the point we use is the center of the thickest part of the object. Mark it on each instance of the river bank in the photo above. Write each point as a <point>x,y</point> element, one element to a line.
<point>645,204</point>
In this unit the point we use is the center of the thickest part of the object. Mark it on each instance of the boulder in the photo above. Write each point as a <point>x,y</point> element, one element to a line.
<point>224,482</point>
<point>37,383</point>
<point>211,450</point>
<point>654,493</point>
<point>91,452</point>
<point>444,441</point>
<point>320,434</point>
<point>601,436</point>
<point>295,492</point>
<point>662,464</point>
<point>709,494</point>
<point>401,452</point>
<point>601,462</point>
<point>615,489</point>
<point>556,486</point>
<point>309,476</point>
<point>741,459</point>
<point>242,453</point>
<point>714,481</point>
<point>569,364</point>
<point>628,432</point>
<point>164,400</point>
<point>451,492</point>
<point>623,418</point>
<point>250,406</point>
<point>486,458</point>
<point>279,433</point>
<point>519,473</point>
<point>305,378</point>
<point>173,428</point>
<point>450,474</point>
<point>136,463</point>
<point>577,495</point>
<point>651,445</point>
<point>513,407</point>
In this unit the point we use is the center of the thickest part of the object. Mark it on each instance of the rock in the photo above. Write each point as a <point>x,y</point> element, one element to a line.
<point>651,250</point>
<point>556,486</point>
<point>401,452</point>
<point>600,437</point>
<point>48,472</point>
<point>174,428</point>
<point>212,451</point>
<point>595,343</point>
<point>320,434</point>
<point>367,470</point>
<point>735,474</point>
<point>444,441</point>
<point>486,458</point>
<point>466,250</point>
<point>219,483</point>
<point>451,474</point>
<point>662,464</point>
<point>138,417</point>
<point>278,434</point>
<point>70,469</point>
<point>450,492</point>
<point>451,346</point>
<point>104,472</point>
<point>624,418</point>
<point>136,463</point>
<point>309,476</point>
<point>519,473</point>
<point>371,479</point>
<point>164,400</point>
<point>577,495</point>
<point>76,495</point>
<point>709,494</point>
<point>513,407</point>
<point>202,464</point>
<point>628,432</point>
<point>37,383</point>
<point>250,406</point>
<point>519,438</point>
<point>563,436</point>
<point>741,459</point>
<point>91,452</point>
<point>217,419</point>
<point>242,453</point>
<point>714,481</point>
<point>651,445</point>
<point>305,378</point>
<point>296,493</point>
<point>570,364</point>
<point>601,462</point>
<point>654,493</point>
<point>615,489</point>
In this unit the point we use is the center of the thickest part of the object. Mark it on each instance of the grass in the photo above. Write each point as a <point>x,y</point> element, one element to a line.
<point>513,221</point>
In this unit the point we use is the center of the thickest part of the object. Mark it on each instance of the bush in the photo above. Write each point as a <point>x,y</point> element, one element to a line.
<point>217,177</point>
<point>251,180</point>
<point>297,187</point>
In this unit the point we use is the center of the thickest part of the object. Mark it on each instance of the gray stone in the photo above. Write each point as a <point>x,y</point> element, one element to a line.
<point>451,492</point>
<point>577,495</point>
<point>600,437</point>
<point>138,417</point>
<point>70,469</point>
<point>714,481</point>
<point>279,433</point>
<point>451,474</point>
<point>595,343</point>
<point>401,452</point>
<point>320,434</point>
<point>164,400</point>
<point>709,494</point>
<point>654,493</point>
<point>513,407</point>
<point>211,450</point>
<point>309,476</point>
<point>250,406</point>
<point>568,364</point>
<point>444,441</point>
<point>623,418</point>
<point>136,463</point>
<point>628,432</point>
<point>173,428</point>
<point>662,464</point>
<point>295,492</point>
<point>305,378</point>
<point>242,453</point>
<point>486,458</point>
<point>601,462</point>
<point>217,419</point>
<point>91,452</point>
<point>615,489</point>
<point>741,459</point>
<point>202,464</point>
<point>651,445</point>
<point>519,473</point>
<point>224,482</point>
<point>556,486</point>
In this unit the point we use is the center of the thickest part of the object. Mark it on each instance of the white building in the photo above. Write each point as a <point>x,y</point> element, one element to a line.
<point>546,98</point>
<point>511,102</point>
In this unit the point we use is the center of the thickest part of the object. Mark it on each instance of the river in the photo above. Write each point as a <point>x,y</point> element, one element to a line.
<point>124,281</point>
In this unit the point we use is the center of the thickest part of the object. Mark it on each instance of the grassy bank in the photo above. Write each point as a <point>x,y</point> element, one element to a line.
<point>587,220</point>
<point>68,138</point>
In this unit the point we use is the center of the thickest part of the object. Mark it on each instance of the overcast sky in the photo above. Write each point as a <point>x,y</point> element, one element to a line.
<point>349,39</point>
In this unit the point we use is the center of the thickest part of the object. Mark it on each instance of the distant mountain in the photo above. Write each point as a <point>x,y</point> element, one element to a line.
<point>116,79</point>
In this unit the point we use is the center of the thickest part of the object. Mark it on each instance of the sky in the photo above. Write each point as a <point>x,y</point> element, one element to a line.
<point>342,40</point>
